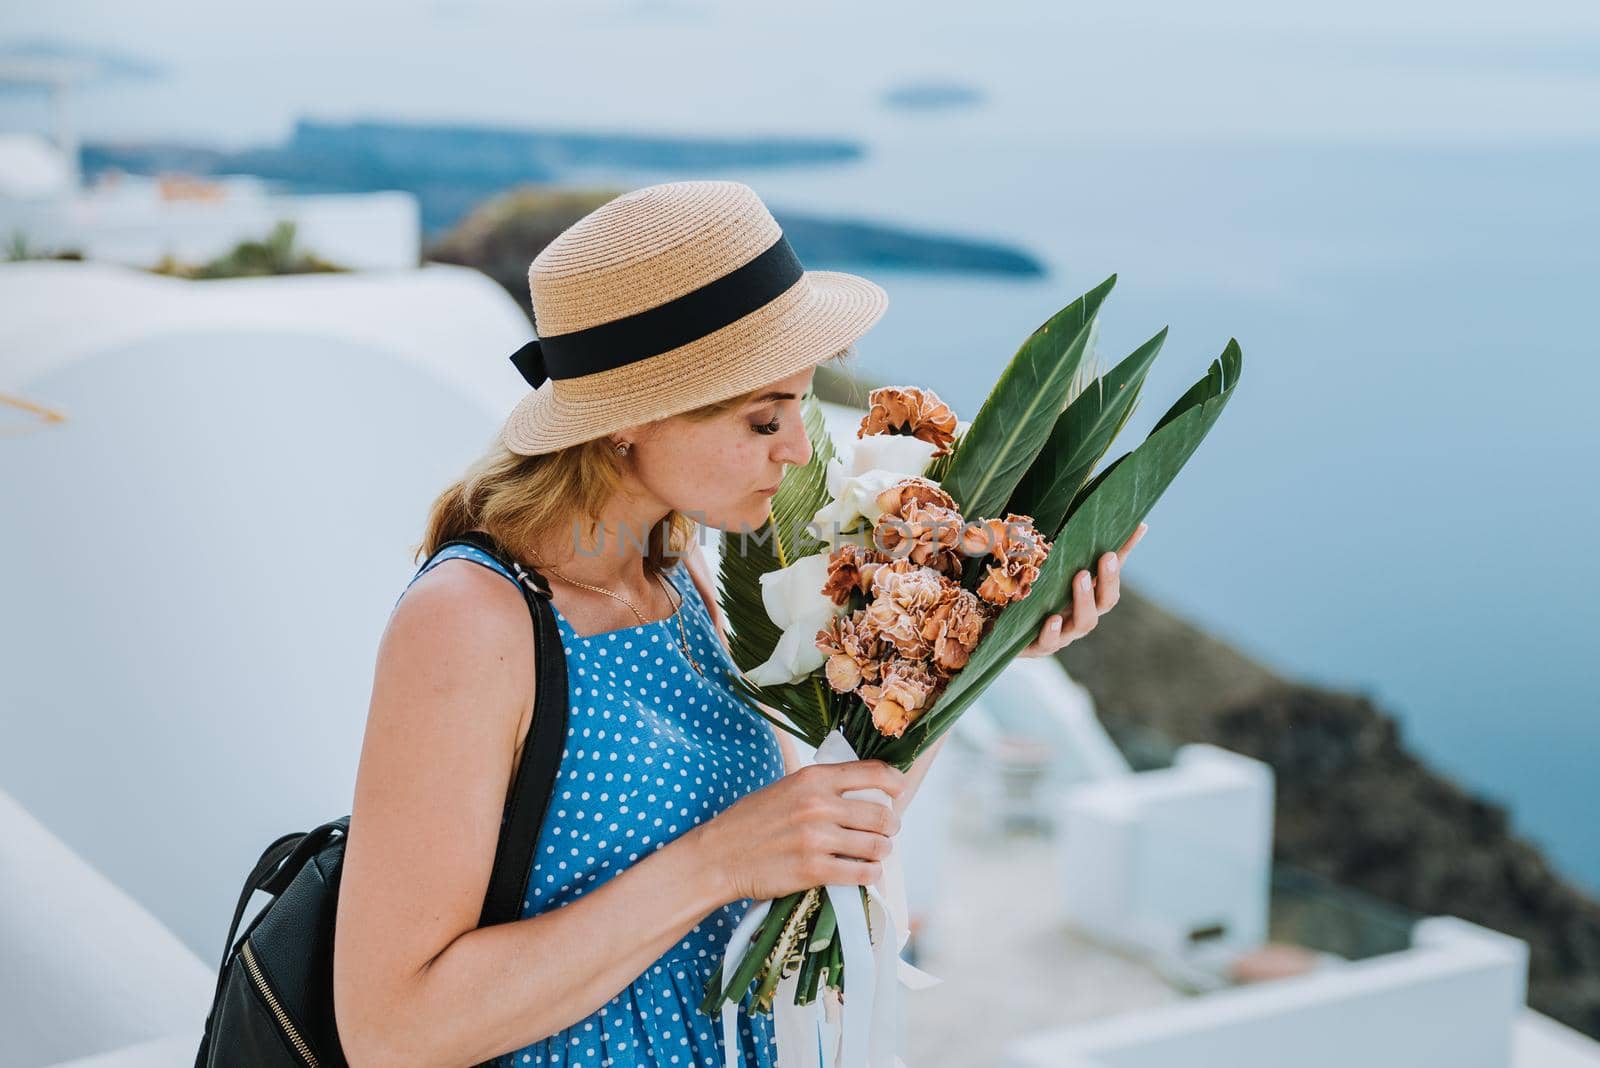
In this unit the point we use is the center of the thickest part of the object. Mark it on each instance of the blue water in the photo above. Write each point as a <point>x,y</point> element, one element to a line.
<point>1392,209</point>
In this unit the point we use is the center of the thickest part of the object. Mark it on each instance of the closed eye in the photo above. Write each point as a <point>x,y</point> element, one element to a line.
<point>768,428</point>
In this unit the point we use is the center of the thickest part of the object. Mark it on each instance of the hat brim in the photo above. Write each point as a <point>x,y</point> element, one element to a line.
<point>813,321</point>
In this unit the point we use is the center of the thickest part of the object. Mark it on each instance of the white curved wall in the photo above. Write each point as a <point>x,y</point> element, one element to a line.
<point>84,968</point>
<point>200,562</point>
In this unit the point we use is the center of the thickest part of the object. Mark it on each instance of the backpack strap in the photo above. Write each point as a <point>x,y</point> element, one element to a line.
<point>529,797</point>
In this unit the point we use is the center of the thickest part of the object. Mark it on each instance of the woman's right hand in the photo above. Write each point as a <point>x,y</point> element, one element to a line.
<point>801,831</point>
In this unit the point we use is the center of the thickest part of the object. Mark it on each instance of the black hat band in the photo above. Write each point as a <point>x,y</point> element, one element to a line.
<point>702,311</point>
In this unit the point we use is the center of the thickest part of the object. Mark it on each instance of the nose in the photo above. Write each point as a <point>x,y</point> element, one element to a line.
<point>794,445</point>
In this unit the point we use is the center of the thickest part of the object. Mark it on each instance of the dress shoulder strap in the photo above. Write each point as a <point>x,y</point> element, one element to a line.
<point>459,552</point>
<point>467,552</point>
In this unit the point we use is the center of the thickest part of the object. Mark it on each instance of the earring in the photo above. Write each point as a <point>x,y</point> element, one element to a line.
<point>623,447</point>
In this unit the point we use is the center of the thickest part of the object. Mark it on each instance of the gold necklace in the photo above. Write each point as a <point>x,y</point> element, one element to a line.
<point>677,602</point>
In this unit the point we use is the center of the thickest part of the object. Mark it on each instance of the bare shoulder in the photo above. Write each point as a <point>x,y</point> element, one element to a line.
<point>464,610</point>
<point>463,628</point>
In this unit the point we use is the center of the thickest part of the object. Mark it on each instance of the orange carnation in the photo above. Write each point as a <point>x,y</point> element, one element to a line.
<point>921,516</point>
<point>954,627</point>
<point>910,410</point>
<point>1020,550</point>
<point>850,568</point>
<point>906,692</point>
<point>855,652</point>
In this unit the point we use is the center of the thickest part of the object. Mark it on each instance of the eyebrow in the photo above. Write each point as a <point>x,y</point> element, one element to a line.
<point>772,396</point>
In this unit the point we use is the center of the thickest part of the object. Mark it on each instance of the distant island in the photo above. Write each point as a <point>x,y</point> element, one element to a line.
<point>454,169</point>
<point>932,96</point>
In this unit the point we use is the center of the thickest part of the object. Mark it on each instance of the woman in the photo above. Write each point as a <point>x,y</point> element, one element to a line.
<point>678,334</point>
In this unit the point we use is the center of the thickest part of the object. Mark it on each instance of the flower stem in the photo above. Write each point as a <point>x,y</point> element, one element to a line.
<point>754,957</point>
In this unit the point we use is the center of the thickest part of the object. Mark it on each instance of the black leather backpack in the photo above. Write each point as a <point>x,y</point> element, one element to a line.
<point>273,1004</point>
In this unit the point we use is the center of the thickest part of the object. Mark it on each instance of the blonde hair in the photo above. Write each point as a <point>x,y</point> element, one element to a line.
<point>516,498</point>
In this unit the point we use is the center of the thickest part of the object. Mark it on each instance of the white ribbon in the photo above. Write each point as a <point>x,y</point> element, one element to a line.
<point>865,1036</point>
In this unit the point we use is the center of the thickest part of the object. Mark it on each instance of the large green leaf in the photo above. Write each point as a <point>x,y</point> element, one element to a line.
<point>1094,484</point>
<point>1081,437</point>
<point>1017,417</point>
<point>1101,522</point>
<point>810,705</point>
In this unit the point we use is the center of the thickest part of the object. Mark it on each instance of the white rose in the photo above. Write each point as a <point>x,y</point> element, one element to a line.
<point>891,452</point>
<point>794,601</point>
<point>877,462</point>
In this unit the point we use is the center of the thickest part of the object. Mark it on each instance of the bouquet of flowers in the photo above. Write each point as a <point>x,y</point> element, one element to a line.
<point>886,592</point>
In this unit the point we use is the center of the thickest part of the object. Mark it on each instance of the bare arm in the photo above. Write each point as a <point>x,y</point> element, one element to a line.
<point>415,980</point>
<point>701,572</point>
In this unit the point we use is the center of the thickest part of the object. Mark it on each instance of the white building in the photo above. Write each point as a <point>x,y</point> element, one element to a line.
<point>140,220</point>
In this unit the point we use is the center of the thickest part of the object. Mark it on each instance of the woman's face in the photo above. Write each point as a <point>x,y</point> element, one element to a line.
<point>714,470</point>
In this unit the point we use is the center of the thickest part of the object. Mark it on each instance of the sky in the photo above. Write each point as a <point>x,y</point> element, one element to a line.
<point>1248,70</point>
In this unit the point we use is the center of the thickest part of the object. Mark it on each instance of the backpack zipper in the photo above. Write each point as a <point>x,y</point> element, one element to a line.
<point>247,954</point>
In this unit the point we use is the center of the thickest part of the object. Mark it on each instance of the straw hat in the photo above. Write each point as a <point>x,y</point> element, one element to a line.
<point>667,298</point>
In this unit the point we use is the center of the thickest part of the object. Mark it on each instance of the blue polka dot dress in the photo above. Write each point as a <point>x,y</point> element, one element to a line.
<point>652,750</point>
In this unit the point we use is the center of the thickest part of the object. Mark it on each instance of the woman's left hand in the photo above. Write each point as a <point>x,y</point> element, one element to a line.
<point>1089,601</point>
